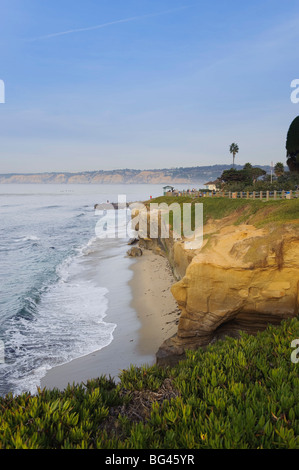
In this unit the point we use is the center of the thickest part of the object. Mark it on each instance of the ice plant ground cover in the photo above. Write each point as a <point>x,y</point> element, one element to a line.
<point>238,393</point>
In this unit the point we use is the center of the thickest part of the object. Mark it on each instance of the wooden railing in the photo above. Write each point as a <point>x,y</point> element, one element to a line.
<point>263,195</point>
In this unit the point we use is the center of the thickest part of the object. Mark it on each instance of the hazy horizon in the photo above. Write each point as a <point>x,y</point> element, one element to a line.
<point>149,85</point>
<point>129,169</point>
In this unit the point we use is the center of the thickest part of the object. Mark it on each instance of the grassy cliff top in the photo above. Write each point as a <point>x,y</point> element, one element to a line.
<point>255,212</point>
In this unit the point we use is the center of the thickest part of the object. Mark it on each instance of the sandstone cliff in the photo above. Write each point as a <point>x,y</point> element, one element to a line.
<point>188,175</point>
<point>242,278</point>
<point>102,177</point>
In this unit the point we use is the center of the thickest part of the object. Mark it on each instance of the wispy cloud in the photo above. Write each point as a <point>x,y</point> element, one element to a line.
<point>105,25</point>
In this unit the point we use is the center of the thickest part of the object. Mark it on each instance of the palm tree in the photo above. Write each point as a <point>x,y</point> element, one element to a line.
<point>234,149</point>
<point>279,169</point>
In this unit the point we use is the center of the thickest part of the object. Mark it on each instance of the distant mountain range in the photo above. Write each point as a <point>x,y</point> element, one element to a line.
<point>192,175</point>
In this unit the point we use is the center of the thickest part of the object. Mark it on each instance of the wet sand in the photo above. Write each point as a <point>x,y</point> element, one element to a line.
<point>144,320</point>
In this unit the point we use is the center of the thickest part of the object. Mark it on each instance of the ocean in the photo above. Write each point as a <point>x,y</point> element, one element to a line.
<point>54,300</point>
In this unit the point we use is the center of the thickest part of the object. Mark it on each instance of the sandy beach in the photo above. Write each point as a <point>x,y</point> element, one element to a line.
<point>144,320</point>
<point>152,299</point>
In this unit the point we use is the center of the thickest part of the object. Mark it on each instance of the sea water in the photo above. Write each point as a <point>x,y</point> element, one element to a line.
<point>53,298</point>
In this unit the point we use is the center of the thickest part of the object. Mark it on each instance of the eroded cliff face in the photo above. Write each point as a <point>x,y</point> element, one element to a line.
<point>104,177</point>
<point>241,279</point>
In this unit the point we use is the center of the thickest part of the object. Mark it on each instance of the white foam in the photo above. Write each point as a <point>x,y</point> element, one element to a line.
<point>28,238</point>
<point>68,323</point>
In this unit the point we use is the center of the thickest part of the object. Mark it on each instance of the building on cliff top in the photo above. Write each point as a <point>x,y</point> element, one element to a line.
<point>211,185</point>
<point>168,189</point>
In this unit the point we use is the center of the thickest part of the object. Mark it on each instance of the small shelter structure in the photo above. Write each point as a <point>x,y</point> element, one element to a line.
<point>167,189</point>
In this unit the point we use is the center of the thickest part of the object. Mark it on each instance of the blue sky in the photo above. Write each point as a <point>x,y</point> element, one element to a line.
<point>108,84</point>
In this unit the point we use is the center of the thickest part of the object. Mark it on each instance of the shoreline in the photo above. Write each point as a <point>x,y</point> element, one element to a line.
<point>151,316</point>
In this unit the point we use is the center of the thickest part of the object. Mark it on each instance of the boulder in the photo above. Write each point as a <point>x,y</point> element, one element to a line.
<point>135,251</point>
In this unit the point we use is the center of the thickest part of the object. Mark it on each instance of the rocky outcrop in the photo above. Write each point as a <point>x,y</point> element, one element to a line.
<point>133,241</point>
<point>106,206</point>
<point>135,252</point>
<point>243,278</point>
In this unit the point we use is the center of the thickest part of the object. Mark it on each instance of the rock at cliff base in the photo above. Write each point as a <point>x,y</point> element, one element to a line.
<point>133,241</point>
<point>135,252</point>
